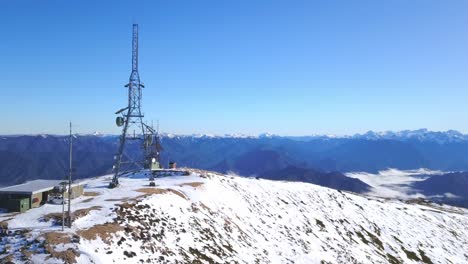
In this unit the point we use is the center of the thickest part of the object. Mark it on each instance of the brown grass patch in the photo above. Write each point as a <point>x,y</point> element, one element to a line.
<point>55,238</point>
<point>68,256</point>
<point>117,200</point>
<point>137,198</point>
<point>57,217</point>
<point>104,231</point>
<point>126,205</point>
<point>4,223</point>
<point>85,211</point>
<point>193,184</point>
<point>152,190</point>
<point>90,194</point>
<point>7,259</point>
<point>162,191</point>
<point>178,193</point>
<point>26,253</point>
<point>87,200</point>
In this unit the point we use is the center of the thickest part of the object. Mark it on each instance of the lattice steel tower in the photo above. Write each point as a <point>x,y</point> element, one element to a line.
<point>131,117</point>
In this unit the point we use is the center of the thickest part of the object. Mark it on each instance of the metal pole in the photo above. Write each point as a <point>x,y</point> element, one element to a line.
<point>63,211</point>
<point>70,178</point>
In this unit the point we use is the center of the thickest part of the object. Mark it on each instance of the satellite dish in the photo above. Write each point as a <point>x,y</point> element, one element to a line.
<point>148,140</point>
<point>119,121</point>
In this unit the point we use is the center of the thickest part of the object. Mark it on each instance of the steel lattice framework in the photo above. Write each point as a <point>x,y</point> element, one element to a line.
<point>132,118</point>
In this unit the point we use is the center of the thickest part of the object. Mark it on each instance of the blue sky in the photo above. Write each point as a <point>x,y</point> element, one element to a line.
<point>286,67</point>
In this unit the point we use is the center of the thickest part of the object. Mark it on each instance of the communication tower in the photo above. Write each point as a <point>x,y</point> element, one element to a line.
<point>133,128</point>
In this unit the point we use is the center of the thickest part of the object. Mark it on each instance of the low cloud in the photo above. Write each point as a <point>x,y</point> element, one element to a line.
<point>393,183</point>
<point>446,195</point>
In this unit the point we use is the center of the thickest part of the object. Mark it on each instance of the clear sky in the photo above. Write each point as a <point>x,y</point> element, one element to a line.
<point>285,67</point>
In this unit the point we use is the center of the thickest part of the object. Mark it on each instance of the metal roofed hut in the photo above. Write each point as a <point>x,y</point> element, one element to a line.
<point>32,194</point>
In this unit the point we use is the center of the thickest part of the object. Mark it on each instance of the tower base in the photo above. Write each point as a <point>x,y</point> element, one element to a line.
<point>113,185</point>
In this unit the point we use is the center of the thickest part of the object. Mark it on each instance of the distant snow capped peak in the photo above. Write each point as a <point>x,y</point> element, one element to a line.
<point>237,135</point>
<point>217,136</point>
<point>206,136</point>
<point>203,135</point>
<point>168,135</point>
<point>267,135</point>
<point>422,134</point>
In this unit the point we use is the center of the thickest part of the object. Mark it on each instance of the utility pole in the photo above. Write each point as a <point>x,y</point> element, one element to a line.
<point>63,208</point>
<point>70,179</point>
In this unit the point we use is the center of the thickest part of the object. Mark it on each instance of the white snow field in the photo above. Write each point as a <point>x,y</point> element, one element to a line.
<point>212,218</point>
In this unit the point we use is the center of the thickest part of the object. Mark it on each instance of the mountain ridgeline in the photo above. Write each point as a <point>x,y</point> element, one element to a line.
<point>315,159</point>
<point>93,155</point>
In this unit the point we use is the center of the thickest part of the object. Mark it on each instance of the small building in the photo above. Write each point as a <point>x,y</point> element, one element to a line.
<point>172,165</point>
<point>155,165</point>
<point>32,194</point>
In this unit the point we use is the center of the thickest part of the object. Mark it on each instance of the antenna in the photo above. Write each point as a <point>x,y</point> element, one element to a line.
<point>131,117</point>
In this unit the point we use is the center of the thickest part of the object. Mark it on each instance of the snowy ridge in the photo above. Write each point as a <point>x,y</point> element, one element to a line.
<point>237,135</point>
<point>214,218</point>
<point>419,135</point>
<point>404,135</point>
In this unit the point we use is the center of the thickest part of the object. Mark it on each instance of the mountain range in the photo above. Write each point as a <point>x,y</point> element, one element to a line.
<point>315,159</point>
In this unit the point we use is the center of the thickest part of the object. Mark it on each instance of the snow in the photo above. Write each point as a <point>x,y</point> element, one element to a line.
<point>235,219</point>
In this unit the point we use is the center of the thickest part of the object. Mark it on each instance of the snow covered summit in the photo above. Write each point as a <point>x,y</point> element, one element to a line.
<point>212,218</point>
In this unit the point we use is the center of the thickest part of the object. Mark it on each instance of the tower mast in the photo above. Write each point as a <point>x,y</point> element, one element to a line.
<point>132,117</point>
